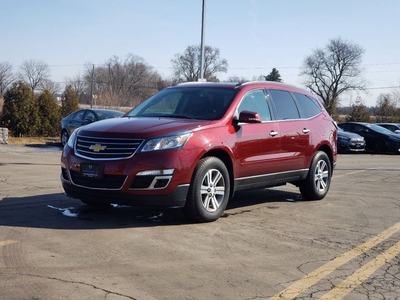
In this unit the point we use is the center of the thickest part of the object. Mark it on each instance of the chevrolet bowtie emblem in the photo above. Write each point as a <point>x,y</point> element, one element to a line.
<point>97,148</point>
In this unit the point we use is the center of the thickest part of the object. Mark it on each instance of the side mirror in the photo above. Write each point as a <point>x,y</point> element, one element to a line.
<point>248,117</point>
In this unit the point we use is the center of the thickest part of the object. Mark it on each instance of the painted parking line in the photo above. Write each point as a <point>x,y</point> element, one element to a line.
<point>312,278</point>
<point>8,242</point>
<point>347,174</point>
<point>358,277</point>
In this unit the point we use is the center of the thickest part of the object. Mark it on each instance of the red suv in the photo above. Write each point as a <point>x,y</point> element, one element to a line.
<point>194,144</point>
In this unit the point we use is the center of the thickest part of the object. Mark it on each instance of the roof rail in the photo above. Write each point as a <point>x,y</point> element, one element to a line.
<point>190,82</point>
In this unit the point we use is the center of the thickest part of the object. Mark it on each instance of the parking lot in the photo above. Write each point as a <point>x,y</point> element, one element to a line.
<point>269,244</point>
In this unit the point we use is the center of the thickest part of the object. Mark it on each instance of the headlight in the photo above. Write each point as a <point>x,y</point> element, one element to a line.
<point>72,138</point>
<point>164,143</point>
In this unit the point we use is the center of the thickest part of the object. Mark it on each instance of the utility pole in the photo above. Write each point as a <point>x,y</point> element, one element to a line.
<point>203,25</point>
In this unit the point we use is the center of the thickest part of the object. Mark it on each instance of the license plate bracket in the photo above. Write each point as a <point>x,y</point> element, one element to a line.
<point>93,171</point>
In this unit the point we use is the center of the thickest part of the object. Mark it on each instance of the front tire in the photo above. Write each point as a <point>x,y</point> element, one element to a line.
<point>318,181</point>
<point>209,191</point>
<point>64,137</point>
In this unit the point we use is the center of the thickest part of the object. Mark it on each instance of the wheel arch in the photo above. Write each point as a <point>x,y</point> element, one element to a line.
<point>226,159</point>
<point>328,151</point>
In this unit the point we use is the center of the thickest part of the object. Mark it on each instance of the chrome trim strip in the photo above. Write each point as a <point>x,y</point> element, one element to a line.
<point>271,174</point>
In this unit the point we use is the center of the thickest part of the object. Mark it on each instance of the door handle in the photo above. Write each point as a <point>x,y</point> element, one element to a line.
<point>273,133</point>
<point>305,130</point>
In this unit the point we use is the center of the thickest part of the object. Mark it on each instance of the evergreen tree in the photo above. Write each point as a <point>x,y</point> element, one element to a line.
<point>386,110</point>
<point>358,112</point>
<point>20,114</point>
<point>69,102</point>
<point>273,76</point>
<point>49,114</point>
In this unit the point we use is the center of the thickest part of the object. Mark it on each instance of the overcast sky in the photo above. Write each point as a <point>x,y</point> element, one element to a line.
<point>254,36</point>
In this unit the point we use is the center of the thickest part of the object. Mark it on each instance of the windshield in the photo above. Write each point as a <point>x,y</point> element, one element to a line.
<point>379,129</point>
<point>189,103</point>
<point>107,114</point>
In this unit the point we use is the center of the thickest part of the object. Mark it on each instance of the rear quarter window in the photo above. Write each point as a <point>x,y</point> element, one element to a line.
<point>308,106</point>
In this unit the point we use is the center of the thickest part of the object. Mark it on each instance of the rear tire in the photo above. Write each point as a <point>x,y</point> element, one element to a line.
<point>378,146</point>
<point>317,183</point>
<point>209,191</point>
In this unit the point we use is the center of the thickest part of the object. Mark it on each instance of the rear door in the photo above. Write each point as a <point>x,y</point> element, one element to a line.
<point>294,131</point>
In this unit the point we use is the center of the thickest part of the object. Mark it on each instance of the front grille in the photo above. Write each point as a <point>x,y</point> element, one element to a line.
<point>106,148</point>
<point>357,140</point>
<point>113,182</point>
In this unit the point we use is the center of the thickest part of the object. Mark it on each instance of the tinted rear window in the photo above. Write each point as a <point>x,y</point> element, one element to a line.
<point>285,106</point>
<point>308,106</point>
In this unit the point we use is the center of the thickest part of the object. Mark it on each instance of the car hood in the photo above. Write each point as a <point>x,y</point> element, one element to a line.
<point>140,127</point>
<point>349,135</point>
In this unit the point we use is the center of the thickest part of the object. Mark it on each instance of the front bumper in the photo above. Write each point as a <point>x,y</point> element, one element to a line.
<point>149,179</point>
<point>175,199</point>
<point>351,147</point>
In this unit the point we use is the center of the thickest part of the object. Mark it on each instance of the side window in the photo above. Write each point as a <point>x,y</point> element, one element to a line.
<point>346,127</point>
<point>90,116</point>
<point>308,106</point>
<point>360,129</point>
<point>79,115</point>
<point>255,101</point>
<point>285,106</point>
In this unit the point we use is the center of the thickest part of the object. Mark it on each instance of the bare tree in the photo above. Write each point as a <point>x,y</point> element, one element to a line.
<point>81,88</point>
<point>53,87</point>
<point>130,81</point>
<point>236,78</point>
<point>187,65</point>
<point>35,74</point>
<point>396,94</point>
<point>6,76</point>
<point>331,71</point>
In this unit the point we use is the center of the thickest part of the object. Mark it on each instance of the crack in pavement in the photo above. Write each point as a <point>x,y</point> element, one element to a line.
<point>81,283</point>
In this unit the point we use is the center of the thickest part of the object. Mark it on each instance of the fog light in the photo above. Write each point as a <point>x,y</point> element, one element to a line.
<point>161,183</point>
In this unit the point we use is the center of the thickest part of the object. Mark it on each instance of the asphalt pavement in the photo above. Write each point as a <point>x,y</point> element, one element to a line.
<point>269,244</point>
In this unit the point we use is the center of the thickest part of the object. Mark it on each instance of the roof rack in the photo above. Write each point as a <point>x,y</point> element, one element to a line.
<point>191,82</point>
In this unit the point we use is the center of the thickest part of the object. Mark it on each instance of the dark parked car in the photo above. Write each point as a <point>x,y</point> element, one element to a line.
<point>83,117</point>
<point>379,139</point>
<point>394,127</point>
<point>350,142</point>
<point>193,145</point>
